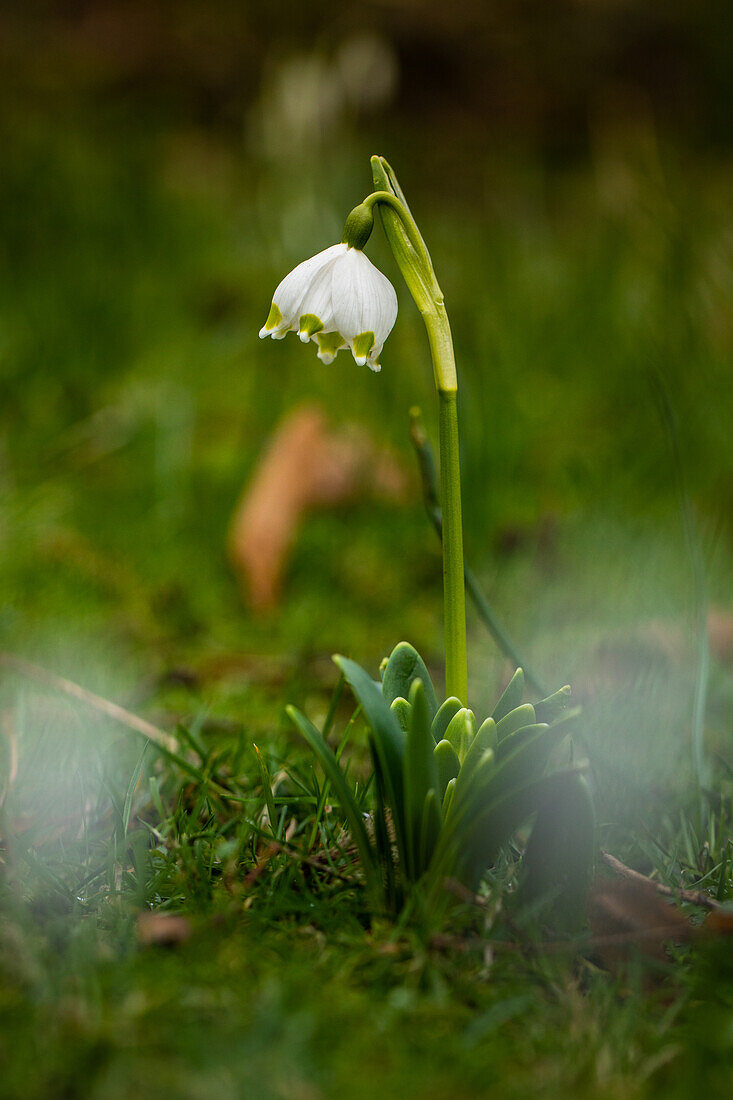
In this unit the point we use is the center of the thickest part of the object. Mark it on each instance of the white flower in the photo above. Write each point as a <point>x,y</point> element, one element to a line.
<point>337,299</point>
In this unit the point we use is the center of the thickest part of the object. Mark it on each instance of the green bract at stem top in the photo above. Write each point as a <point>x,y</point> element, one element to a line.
<point>417,269</point>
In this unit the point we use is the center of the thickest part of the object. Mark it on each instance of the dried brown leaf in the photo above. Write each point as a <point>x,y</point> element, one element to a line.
<point>629,915</point>
<point>305,466</point>
<point>718,923</point>
<point>162,929</point>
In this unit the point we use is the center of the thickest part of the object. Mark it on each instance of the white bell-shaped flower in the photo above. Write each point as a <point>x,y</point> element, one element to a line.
<point>337,299</point>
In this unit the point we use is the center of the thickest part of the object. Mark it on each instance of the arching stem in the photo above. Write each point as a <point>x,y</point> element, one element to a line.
<point>414,261</point>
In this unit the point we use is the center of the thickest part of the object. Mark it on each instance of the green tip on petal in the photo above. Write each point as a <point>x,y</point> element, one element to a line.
<point>308,325</point>
<point>362,345</point>
<point>329,343</point>
<point>274,318</point>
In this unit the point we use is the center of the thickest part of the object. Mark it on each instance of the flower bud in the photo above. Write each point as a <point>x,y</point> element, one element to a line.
<point>358,227</point>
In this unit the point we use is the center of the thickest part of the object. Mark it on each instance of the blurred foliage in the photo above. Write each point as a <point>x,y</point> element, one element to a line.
<point>163,166</point>
<point>533,71</point>
<point>138,257</point>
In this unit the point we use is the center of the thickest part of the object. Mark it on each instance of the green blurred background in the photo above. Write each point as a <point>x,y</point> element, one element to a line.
<point>570,165</point>
<point>162,165</point>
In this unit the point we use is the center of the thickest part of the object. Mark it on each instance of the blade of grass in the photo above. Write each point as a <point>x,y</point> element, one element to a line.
<point>333,706</point>
<point>267,790</point>
<point>131,787</point>
<point>348,805</point>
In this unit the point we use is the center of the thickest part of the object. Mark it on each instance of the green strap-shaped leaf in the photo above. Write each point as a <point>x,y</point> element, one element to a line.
<point>446,711</point>
<point>511,697</point>
<point>487,735</point>
<point>526,757</point>
<point>420,774</point>
<point>461,731</point>
<point>471,787</point>
<point>485,739</point>
<point>387,739</point>
<point>448,798</point>
<point>487,781</point>
<point>520,737</point>
<point>430,827</point>
<point>346,799</point>
<point>401,710</point>
<point>447,763</point>
<point>547,710</point>
<point>405,665</point>
<point>514,720</point>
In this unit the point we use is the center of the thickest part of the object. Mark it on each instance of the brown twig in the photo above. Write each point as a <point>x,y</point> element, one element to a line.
<point>695,897</point>
<point>96,702</point>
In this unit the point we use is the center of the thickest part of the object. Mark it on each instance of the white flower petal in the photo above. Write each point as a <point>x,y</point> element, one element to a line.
<point>317,300</point>
<point>364,300</point>
<point>337,299</point>
<point>289,295</point>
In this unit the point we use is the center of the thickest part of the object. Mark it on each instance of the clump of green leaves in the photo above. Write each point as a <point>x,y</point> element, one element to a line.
<point>449,793</point>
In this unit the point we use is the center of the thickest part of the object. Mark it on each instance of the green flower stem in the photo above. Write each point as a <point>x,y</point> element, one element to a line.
<point>454,592</point>
<point>431,497</point>
<point>414,261</point>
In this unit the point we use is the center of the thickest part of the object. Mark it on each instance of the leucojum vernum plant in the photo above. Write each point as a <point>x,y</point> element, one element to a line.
<point>449,792</point>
